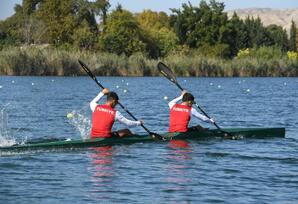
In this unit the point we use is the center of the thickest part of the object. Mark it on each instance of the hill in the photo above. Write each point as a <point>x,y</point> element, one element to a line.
<point>281,17</point>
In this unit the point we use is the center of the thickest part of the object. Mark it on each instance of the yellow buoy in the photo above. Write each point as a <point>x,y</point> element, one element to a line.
<point>69,115</point>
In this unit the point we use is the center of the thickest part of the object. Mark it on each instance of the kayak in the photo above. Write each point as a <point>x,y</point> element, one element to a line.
<point>237,133</point>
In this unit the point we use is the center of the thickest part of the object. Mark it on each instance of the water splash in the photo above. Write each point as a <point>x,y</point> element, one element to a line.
<point>81,122</point>
<point>6,138</point>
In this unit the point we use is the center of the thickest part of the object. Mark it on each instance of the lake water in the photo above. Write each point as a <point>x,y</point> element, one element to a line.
<point>209,171</point>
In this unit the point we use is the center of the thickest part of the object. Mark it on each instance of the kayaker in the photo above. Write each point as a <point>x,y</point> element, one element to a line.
<point>104,115</point>
<point>180,114</point>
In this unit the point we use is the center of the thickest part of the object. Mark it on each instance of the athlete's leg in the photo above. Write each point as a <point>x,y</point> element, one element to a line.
<point>123,133</point>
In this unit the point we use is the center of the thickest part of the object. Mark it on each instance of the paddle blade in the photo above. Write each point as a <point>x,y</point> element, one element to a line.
<point>87,70</point>
<point>156,136</point>
<point>166,72</point>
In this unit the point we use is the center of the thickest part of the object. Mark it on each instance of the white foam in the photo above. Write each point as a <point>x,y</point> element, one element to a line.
<point>81,122</point>
<point>5,137</point>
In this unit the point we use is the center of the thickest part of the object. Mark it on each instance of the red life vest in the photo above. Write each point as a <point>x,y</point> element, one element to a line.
<point>103,119</point>
<point>179,118</point>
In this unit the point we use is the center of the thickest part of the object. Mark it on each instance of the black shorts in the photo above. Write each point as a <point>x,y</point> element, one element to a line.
<point>196,128</point>
<point>115,134</point>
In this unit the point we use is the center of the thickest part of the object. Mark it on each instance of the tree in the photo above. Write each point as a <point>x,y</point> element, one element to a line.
<point>59,17</point>
<point>153,20</point>
<point>277,36</point>
<point>83,36</point>
<point>100,7</point>
<point>122,34</point>
<point>157,27</point>
<point>241,38</point>
<point>197,26</point>
<point>293,37</point>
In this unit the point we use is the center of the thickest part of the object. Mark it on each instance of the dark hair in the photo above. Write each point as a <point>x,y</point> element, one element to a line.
<point>112,96</point>
<point>188,97</point>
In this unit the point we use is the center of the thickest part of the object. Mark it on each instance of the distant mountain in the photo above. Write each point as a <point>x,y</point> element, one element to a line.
<point>281,17</point>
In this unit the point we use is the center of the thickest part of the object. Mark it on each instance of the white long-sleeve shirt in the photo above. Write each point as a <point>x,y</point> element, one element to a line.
<point>118,116</point>
<point>194,112</point>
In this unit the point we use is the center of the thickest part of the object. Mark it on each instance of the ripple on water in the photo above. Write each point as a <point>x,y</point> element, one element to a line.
<point>216,171</point>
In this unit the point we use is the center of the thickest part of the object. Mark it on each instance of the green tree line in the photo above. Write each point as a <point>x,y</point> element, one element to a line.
<point>190,31</point>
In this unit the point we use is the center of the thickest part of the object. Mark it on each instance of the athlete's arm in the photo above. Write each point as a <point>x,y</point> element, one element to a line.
<point>174,101</point>
<point>125,121</point>
<point>196,114</point>
<point>93,103</point>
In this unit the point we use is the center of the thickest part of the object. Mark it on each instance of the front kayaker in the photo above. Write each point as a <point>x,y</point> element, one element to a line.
<point>104,115</point>
<point>180,114</point>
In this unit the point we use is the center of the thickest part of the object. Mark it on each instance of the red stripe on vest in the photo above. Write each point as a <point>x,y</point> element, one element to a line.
<point>103,119</point>
<point>179,118</point>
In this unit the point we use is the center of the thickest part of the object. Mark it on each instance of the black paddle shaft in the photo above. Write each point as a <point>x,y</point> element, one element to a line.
<point>167,72</point>
<point>87,70</point>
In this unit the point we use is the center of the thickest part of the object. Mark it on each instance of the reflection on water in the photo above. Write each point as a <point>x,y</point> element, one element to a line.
<point>103,171</point>
<point>102,164</point>
<point>177,168</point>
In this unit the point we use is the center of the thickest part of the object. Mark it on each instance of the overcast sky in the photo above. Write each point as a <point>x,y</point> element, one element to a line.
<point>6,6</point>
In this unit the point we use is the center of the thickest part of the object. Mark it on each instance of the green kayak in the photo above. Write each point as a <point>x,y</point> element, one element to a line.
<point>238,133</point>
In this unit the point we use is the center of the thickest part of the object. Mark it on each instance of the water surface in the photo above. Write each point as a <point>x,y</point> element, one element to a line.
<point>210,171</point>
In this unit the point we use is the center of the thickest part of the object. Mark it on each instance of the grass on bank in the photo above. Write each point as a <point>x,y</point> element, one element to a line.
<point>57,62</point>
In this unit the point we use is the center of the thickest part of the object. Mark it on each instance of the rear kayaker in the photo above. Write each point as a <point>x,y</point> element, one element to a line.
<point>104,115</point>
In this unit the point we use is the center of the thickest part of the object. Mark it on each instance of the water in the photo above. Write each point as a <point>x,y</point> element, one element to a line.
<point>211,171</point>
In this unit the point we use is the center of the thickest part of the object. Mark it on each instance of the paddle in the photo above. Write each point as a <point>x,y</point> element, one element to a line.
<point>165,70</point>
<point>87,70</point>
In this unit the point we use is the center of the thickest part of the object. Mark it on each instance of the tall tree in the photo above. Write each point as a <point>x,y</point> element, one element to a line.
<point>241,39</point>
<point>277,36</point>
<point>157,28</point>
<point>196,26</point>
<point>59,17</point>
<point>293,37</point>
<point>123,34</point>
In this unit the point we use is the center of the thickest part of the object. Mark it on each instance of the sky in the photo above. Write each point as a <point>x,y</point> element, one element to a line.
<point>6,6</point>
